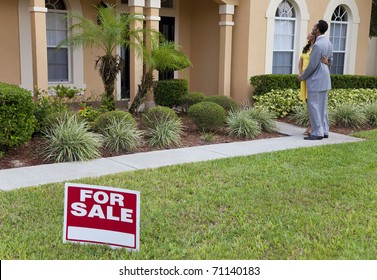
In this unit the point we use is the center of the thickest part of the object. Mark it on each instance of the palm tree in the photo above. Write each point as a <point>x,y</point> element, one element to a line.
<point>162,56</point>
<point>111,30</point>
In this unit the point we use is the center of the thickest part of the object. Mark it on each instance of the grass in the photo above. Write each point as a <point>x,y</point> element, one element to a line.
<point>308,203</point>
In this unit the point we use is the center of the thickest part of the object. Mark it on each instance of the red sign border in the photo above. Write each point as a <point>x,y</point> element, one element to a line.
<point>77,185</point>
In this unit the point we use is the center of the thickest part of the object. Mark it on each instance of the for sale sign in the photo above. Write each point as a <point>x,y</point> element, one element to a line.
<point>101,215</point>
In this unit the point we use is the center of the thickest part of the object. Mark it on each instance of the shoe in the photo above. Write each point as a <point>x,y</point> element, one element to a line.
<point>312,137</point>
<point>326,136</point>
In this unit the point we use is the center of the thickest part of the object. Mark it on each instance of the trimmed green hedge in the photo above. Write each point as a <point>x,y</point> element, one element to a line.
<point>169,93</point>
<point>17,120</point>
<point>266,83</point>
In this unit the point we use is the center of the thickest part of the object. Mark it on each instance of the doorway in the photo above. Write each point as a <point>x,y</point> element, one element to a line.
<point>167,28</point>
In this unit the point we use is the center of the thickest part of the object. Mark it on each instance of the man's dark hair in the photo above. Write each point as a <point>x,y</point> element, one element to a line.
<point>322,26</point>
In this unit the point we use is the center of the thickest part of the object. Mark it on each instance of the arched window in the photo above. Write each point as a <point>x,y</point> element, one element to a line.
<point>284,38</point>
<point>57,30</point>
<point>338,37</point>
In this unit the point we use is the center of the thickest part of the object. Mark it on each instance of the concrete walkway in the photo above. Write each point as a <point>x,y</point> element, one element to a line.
<point>61,172</point>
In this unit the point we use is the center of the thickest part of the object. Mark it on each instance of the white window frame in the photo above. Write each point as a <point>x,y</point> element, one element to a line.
<point>69,80</point>
<point>26,63</point>
<point>340,23</point>
<point>352,32</point>
<point>302,19</point>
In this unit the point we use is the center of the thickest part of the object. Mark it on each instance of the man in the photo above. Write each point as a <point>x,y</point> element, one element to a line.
<point>317,76</point>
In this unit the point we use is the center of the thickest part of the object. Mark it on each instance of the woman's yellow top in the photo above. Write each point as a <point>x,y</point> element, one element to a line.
<point>305,62</point>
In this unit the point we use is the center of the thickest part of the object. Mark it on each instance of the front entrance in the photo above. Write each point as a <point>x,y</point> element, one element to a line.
<point>167,28</point>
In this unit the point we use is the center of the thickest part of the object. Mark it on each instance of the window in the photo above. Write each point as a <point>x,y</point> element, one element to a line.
<point>167,4</point>
<point>284,38</point>
<point>338,37</point>
<point>57,30</point>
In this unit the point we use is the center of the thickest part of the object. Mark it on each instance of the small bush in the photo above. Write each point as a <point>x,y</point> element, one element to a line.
<point>192,98</point>
<point>207,116</point>
<point>17,120</point>
<point>242,125</point>
<point>208,137</point>
<point>69,140</point>
<point>300,115</point>
<point>280,102</point>
<point>103,120</point>
<point>155,114</point>
<point>349,115</point>
<point>169,93</point>
<point>55,118</point>
<point>224,101</point>
<point>263,84</point>
<point>264,118</point>
<point>370,111</point>
<point>164,133</point>
<point>121,135</point>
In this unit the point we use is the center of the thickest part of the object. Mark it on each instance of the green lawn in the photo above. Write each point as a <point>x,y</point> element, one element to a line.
<point>309,203</point>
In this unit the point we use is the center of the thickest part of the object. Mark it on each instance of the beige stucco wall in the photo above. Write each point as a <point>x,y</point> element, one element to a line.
<point>203,46</point>
<point>365,7</point>
<point>9,54</point>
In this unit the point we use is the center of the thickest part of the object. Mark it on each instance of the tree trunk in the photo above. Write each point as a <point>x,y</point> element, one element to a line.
<point>143,88</point>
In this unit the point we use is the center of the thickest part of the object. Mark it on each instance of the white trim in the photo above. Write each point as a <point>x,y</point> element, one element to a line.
<point>136,3</point>
<point>352,30</point>
<point>302,19</point>
<point>153,4</point>
<point>153,18</point>
<point>26,63</point>
<point>226,9</point>
<point>38,9</point>
<point>226,23</point>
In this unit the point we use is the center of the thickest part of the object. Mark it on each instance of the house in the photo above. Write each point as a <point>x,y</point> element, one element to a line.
<point>227,41</point>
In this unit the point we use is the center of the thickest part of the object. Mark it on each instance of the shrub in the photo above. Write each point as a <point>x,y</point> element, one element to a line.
<point>263,84</point>
<point>155,114</point>
<point>242,125</point>
<point>165,132</point>
<point>103,120</point>
<point>208,137</point>
<point>280,102</point>
<point>224,101</point>
<point>55,118</point>
<point>70,140</point>
<point>192,98</point>
<point>370,111</point>
<point>17,118</point>
<point>300,115</point>
<point>349,115</point>
<point>207,116</point>
<point>169,93</point>
<point>264,118</point>
<point>121,135</point>
<point>351,96</point>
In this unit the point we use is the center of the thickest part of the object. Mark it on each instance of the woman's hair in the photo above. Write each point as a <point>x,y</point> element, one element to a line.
<point>307,47</point>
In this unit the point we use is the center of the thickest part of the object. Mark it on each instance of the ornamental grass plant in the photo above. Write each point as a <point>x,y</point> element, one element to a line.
<point>349,115</point>
<point>164,133</point>
<point>370,111</point>
<point>70,140</point>
<point>122,135</point>
<point>242,125</point>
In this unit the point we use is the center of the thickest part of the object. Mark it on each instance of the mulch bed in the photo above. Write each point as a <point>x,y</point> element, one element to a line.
<point>30,153</point>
